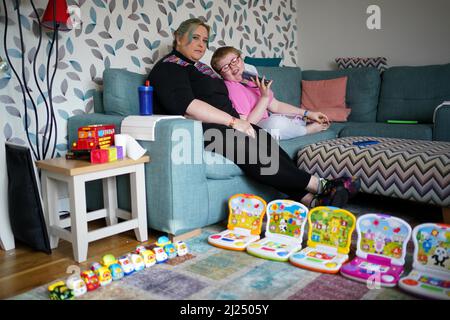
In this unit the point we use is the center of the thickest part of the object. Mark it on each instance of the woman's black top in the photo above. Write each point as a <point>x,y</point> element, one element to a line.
<point>177,81</point>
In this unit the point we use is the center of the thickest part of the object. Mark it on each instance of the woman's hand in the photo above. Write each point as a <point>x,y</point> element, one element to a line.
<point>263,88</point>
<point>245,127</point>
<point>318,117</point>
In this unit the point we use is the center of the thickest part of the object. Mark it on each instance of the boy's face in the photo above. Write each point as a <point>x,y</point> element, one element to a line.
<point>231,67</point>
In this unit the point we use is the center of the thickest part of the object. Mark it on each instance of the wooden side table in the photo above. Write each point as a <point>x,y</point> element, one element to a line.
<point>76,173</point>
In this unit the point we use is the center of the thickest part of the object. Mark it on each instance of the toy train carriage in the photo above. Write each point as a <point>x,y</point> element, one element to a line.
<point>94,137</point>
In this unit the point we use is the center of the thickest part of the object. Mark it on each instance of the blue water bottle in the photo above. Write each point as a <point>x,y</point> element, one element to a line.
<point>146,99</point>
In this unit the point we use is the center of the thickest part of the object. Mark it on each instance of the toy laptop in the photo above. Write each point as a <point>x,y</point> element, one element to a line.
<point>329,238</point>
<point>430,276</point>
<point>286,221</point>
<point>381,250</point>
<point>246,213</point>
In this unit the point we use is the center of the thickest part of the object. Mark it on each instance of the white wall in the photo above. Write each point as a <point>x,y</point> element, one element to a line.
<point>413,32</point>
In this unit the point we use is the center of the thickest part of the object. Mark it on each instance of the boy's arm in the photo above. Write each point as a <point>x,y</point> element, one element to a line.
<point>257,113</point>
<point>281,107</point>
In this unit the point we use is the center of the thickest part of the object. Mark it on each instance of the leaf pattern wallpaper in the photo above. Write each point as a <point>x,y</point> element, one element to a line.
<point>131,34</point>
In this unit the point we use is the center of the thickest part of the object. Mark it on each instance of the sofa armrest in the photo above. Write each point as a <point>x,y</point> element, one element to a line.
<point>177,193</point>
<point>441,121</point>
<point>73,123</point>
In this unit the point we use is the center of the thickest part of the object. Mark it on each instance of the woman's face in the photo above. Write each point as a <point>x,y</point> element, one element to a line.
<point>231,67</point>
<point>194,48</point>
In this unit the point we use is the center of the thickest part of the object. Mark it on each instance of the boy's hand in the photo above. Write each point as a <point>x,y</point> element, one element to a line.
<point>265,90</point>
<point>318,117</point>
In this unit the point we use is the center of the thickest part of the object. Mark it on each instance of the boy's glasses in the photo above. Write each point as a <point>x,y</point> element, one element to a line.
<point>232,63</point>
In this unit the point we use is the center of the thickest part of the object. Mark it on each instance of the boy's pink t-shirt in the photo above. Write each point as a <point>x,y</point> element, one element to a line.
<point>245,98</point>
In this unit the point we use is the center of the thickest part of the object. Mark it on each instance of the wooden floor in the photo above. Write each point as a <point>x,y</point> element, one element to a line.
<point>23,269</point>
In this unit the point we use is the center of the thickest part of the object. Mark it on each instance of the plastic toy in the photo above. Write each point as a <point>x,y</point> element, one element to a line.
<point>137,261</point>
<point>91,280</point>
<point>59,291</point>
<point>381,250</point>
<point>329,239</point>
<point>95,137</point>
<point>246,213</point>
<point>284,231</point>
<point>77,285</point>
<point>116,271</point>
<point>168,247</point>
<point>99,156</point>
<point>127,266</point>
<point>108,259</point>
<point>147,255</point>
<point>182,248</point>
<point>160,255</point>
<point>430,276</point>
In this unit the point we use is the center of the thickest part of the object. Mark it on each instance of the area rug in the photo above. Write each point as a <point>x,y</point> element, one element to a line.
<point>210,273</point>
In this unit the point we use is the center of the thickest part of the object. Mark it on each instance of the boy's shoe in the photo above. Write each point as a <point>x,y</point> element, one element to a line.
<point>351,184</point>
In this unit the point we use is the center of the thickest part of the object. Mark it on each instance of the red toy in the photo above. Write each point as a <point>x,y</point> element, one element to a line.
<point>95,137</point>
<point>91,280</point>
<point>99,156</point>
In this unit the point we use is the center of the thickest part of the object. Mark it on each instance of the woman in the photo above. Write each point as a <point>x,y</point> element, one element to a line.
<point>253,99</point>
<point>184,86</point>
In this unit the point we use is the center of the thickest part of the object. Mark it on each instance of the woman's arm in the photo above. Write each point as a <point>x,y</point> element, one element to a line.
<point>202,111</point>
<point>285,108</point>
<point>258,111</point>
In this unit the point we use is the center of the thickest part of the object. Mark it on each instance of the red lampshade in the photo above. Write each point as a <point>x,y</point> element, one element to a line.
<point>57,9</point>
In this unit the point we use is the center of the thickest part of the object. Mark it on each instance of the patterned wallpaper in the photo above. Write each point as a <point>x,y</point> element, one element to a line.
<point>131,34</point>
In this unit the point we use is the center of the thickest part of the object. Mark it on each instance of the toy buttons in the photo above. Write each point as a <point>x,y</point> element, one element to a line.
<point>284,231</point>
<point>246,213</point>
<point>329,240</point>
<point>381,250</point>
<point>430,276</point>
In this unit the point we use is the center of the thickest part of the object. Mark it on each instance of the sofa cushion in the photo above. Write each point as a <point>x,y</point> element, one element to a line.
<point>263,62</point>
<point>120,91</point>
<point>362,90</point>
<point>400,131</point>
<point>412,93</point>
<point>219,167</point>
<point>286,83</point>
<point>326,96</point>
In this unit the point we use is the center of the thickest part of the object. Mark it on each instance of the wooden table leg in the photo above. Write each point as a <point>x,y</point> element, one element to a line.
<point>110,199</point>
<point>138,203</point>
<point>50,202</point>
<point>78,215</point>
<point>446,215</point>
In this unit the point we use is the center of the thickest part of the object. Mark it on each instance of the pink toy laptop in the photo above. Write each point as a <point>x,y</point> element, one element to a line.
<point>430,276</point>
<point>244,223</point>
<point>381,250</point>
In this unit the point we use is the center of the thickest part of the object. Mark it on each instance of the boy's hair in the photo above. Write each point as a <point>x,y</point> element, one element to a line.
<point>189,26</point>
<point>219,54</point>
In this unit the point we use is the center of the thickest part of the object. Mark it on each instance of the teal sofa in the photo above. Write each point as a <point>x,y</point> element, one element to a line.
<point>184,197</point>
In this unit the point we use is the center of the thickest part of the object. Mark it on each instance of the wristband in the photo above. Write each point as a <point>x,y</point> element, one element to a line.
<point>232,122</point>
<point>305,115</point>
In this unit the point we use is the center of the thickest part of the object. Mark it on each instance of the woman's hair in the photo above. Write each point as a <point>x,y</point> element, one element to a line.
<point>188,26</point>
<point>219,54</point>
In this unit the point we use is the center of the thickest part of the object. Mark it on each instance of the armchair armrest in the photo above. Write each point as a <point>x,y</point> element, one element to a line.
<point>441,119</point>
<point>177,193</point>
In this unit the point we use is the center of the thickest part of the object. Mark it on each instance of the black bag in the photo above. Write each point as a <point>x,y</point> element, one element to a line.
<point>25,207</point>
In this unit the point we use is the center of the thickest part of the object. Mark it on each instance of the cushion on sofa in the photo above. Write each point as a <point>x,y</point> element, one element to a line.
<point>412,93</point>
<point>362,90</point>
<point>285,84</point>
<point>326,96</point>
<point>120,96</point>
<point>263,62</point>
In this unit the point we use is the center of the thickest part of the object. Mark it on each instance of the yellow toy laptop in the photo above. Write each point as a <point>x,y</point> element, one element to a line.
<point>329,238</point>
<point>286,221</point>
<point>430,276</point>
<point>244,223</point>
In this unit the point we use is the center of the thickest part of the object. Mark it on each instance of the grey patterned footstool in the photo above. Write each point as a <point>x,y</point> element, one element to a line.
<point>408,169</point>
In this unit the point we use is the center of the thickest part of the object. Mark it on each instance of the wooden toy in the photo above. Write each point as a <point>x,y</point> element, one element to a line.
<point>430,276</point>
<point>99,156</point>
<point>329,239</point>
<point>246,213</point>
<point>286,221</point>
<point>381,250</point>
